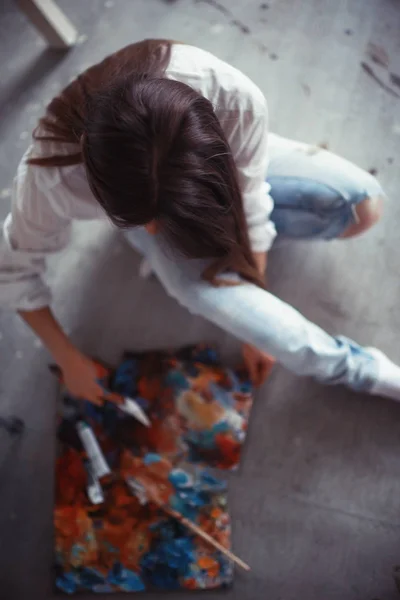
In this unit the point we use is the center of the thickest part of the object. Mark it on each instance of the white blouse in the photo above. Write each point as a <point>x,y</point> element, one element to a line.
<point>45,200</point>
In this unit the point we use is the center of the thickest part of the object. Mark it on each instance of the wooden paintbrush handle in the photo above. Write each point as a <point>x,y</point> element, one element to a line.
<point>205,536</point>
<point>150,496</point>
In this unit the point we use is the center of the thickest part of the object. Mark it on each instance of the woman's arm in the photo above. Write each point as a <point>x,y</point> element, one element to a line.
<point>79,372</point>
<point>49,330</point>
<point>34,230</point>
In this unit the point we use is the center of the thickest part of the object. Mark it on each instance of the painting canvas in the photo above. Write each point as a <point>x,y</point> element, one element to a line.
<point>199,409</point>
<point>107,536</point>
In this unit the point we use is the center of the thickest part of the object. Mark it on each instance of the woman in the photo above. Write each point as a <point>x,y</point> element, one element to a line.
<point>170,143</point>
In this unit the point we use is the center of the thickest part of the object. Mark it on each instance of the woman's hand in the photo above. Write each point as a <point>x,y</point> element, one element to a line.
<point>80,374</point>
<point>259,364</point>
<point>80,377</point>
<point>260,259</point>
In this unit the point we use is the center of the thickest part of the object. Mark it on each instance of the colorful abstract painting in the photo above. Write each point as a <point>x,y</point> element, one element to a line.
<point>199,410</point>
<point>108,537</point>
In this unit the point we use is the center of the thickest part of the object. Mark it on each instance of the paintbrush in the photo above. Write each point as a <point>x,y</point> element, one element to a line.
<point>145,495</point>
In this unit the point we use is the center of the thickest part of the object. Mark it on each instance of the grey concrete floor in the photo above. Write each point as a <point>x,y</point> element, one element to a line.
<point>316,505</point>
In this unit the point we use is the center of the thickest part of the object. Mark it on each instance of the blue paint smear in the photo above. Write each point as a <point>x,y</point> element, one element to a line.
<point>151,458</point>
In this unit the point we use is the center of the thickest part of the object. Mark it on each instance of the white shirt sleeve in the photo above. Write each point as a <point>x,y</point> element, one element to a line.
<point>32,231</point>
<point>247,134</point>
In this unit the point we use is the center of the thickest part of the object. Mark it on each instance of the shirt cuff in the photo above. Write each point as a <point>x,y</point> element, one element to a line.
<point>262,237</point>
<point>24,295</point>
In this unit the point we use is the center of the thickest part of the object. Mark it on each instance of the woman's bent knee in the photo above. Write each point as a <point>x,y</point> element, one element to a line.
<point>367,213</point>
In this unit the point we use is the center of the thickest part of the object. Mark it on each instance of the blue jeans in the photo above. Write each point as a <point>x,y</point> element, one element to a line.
<point>315,194</point>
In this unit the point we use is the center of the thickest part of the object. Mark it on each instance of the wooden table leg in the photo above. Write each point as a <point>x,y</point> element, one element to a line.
<point>50,21</point>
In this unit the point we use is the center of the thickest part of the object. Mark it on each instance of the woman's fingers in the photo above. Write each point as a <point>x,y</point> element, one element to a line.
<point>94,394</point>
<point>94,399</point>
<point>105,394</point>
<point>251,366</point>
<point>263,371</point>
<point>258,364</point>
<point>97,395</point>
<point>113,397</point>
<point>266,367</point>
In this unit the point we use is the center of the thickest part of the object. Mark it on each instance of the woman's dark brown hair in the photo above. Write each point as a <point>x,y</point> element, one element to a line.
<point>154,150</point>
